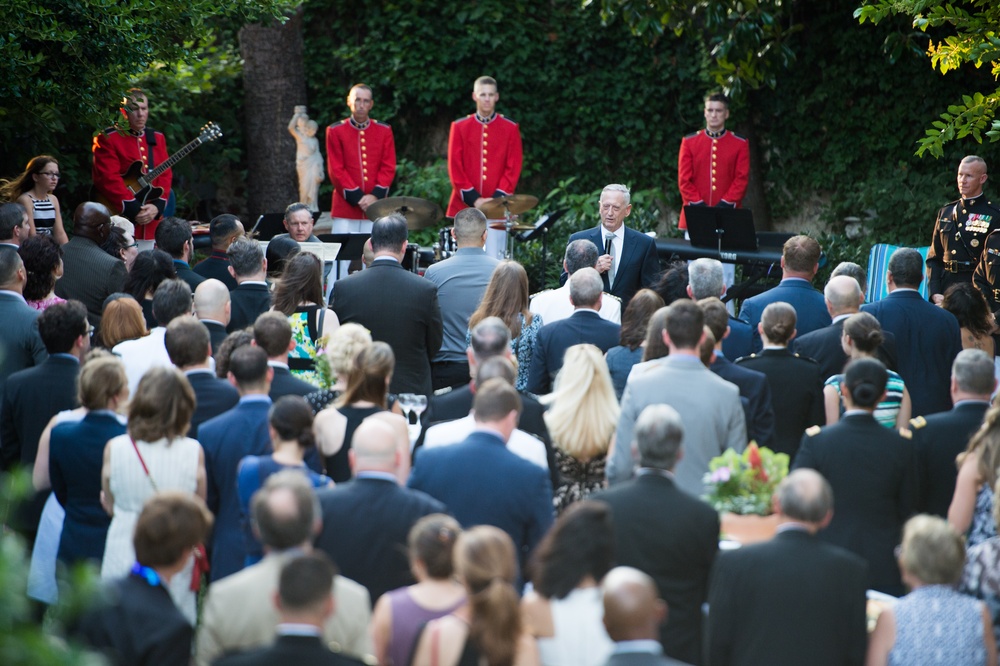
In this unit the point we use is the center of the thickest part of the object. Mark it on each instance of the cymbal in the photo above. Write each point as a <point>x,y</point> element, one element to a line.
<point>515,203</point>
<point>514,227</point>
<point>419,213</point>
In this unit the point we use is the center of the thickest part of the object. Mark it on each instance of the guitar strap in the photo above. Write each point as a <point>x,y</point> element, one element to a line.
<point>151,141</point>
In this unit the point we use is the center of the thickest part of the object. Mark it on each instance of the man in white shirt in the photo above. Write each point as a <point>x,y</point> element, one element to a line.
<point>171,300</point>
<point>554,304</point>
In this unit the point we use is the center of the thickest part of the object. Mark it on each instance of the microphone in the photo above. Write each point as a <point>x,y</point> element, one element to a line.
<point>607,245</point>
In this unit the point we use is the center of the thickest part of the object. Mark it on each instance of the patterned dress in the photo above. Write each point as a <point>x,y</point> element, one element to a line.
<point>523,346</point>
<point>983,526</point>
<point>981,578</point>
<point>305,332</point>
<point>577,479</point>
<point>937,625</point>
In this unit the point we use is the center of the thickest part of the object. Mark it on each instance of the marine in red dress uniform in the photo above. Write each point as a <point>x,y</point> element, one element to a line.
<point>484,152</point>
<point>713,165</point>
<point>360,158</point>
<point>114,152</point>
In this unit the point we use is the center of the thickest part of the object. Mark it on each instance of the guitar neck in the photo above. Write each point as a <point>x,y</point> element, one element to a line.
<point>149,177</point>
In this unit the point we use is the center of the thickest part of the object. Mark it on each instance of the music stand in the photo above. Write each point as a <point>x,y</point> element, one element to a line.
<point>269,225</point>
<point>352,246</point>
<point>725,229</point>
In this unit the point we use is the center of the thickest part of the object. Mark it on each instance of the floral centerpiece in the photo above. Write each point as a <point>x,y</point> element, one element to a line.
<point>743,483</point>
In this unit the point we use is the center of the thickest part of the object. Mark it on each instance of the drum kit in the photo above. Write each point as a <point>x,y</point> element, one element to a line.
<point>501,212</point>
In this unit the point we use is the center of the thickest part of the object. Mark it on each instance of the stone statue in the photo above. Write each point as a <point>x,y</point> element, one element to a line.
<point>308,160</point>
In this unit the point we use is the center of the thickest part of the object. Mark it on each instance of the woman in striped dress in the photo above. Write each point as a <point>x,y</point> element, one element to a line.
<point>33,189</point>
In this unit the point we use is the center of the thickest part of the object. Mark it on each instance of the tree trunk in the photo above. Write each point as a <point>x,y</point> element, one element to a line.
<point>274,83</point>
<point>756,197</point>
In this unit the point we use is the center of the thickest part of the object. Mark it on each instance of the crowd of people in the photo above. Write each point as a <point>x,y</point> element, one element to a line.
<point>228,425</point>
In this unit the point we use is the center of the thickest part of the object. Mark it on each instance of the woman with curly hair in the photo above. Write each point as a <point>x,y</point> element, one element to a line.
<point>488,629</point>
<point>33,189</point>
<point>43,264</point>
<point>564,611</point>
<point>507,297</point>
<point>581,419</point>
<point>975,320</point>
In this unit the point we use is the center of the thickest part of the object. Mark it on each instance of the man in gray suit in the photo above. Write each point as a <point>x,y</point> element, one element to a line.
<point>20,344</point>
<point>90,274</point>
<point>461,281</point>
<point>633,613</point>
<point>709,405</point>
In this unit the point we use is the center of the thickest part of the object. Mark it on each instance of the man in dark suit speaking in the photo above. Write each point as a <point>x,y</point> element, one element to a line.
<point>629,262</point>
<point>769,605</point>
<point>398,307</point>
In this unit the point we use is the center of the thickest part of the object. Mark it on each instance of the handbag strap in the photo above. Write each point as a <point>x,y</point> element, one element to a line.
<point>143,463</point>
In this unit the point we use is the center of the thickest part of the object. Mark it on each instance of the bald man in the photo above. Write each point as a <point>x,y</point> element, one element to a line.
<point>794,599</point>
<point>843,297</point>
<point>366,521</point>
<point>633,613</point>
<point>213,307</point>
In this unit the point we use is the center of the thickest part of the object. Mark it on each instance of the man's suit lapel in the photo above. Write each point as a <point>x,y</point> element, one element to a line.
<point>628,249</point>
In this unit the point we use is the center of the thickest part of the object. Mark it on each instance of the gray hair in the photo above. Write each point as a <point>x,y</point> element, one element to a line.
<point>973,372</point>
<point>705,278</point>
<point>294,208</point>
<point>585,287</point>
<point>658,434</point>
<point>284,527</point>
<point>470,223</point>
<point>490,337</point>
<point>851,269</point>
<point>581,253</point>
<point>805,495</point>
<point>616,187</point>
<point>245,256</point>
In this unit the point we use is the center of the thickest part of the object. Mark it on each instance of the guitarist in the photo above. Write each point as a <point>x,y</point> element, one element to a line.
<point>115,150</point>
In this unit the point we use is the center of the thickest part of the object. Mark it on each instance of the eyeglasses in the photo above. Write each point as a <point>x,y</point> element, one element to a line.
<point>50,174</point>
<point>90,329</point>
<point>136,244</point>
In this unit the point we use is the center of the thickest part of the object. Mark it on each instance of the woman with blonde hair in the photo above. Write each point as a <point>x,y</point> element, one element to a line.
<point>344,344</point>
<point>154,455</point>
<point>933,623</point>
<point>507,297</point>
<point>581,419</point>
<point>400,614</point>
<point>33,189</point>
<point>366,394</point>
<point>488,628</point>
<point>971,510</point>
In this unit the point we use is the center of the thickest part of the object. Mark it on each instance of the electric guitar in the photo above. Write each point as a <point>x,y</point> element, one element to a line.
<point>141,184</point>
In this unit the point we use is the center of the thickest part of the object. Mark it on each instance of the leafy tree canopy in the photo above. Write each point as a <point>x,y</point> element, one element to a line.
<point>73,58</point>
<point>747,40</point>
<point>968,35</point>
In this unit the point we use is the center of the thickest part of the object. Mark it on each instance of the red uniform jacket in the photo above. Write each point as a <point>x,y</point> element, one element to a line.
<point>360,161</point>
<point>114,153</point>
<point>484,159</point>
<point>711,170</point>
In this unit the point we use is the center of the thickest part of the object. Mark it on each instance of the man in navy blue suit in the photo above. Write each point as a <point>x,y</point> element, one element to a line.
<point>481,481</point>
<point>367,520</point>
<point>927,337</point>
<point>584,326</point>
<point>629,262</point>
<point>706,279</point>
<point>226,439</point>
<point>799,263</point>
<point>187,343</point>
<point>757,406</point>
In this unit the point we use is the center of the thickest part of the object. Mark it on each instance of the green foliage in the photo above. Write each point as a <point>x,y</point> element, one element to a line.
<point>747,43</point>
<point>22,641</point>
<point>76,57</point>
<point>971,39</point>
